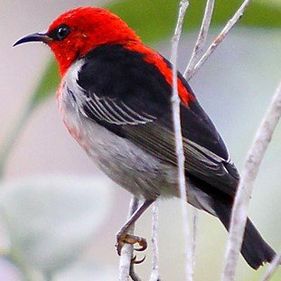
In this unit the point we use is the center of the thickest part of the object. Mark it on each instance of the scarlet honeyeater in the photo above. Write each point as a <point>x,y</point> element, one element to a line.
<point>114,98</point>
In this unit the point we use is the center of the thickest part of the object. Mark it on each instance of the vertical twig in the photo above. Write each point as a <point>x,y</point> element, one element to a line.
<point>249,174</point>
<point>178,140</point>
<point>201,39</point>
<point>127,249</point>
<point>272,268</point>
<point>195,216</point>
<point>230,24</point>
<point>196,53</point>
<point>155,252</point>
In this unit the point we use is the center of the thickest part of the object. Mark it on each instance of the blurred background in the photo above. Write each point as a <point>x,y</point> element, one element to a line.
<point>59,214</point>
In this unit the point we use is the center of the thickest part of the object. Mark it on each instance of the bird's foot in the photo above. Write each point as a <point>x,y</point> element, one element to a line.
<point>123,239</point>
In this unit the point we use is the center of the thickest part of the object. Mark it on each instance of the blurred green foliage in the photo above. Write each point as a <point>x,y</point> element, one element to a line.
<point>155,20</point>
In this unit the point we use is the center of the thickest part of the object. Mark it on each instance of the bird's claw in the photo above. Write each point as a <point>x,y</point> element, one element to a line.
<point>142,243</point>
<point>130,239</point>
<point>135,261</point>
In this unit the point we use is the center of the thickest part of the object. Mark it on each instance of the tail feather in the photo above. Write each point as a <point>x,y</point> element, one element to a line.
<point>254,249</point>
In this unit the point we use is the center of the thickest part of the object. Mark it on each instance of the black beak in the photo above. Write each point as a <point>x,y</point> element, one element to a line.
<point>35,37</point>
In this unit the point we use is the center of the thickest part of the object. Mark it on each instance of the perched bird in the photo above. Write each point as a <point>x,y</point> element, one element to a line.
<point>115,100</point>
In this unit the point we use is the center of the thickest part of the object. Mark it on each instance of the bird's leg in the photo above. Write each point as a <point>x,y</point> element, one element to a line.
<point>123,236</point>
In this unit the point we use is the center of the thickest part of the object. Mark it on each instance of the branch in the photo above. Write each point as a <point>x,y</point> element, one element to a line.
<point>201,39</point>
<point>272,268</point>
<point>127,250</point>
<point>178,140</point>
<point>196,53</point>
<point>195,215</point>
<point>230,24</point>
<point>155,257</point>
<point>242,198</point>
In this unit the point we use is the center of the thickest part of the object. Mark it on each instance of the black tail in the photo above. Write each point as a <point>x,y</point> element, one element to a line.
<point>254,249</point>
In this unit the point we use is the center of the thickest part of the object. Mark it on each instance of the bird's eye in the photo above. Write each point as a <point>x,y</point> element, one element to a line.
<point>60,33</point>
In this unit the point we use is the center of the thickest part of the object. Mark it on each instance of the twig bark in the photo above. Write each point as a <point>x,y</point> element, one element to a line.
<point>195,216</point>
<point>196,53</point>
<point>249,174</point>
<point>125,266</point>
<point>230,24</point>
<point>201,39</point>
<point>272,268</point>
<point>178,141</point>
<point>155,252</point>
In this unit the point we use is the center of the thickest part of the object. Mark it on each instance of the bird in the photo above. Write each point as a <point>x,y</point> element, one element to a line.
<point>115,100</point>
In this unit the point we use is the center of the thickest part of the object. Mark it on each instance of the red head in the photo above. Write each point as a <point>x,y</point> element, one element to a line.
<point>74,33</point>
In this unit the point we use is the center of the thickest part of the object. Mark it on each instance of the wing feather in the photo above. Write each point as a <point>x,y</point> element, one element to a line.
<point>114,112</point>
<point>199,161</point>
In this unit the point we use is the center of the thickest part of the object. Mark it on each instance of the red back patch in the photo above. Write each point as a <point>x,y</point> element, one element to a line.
<point>159,62</point>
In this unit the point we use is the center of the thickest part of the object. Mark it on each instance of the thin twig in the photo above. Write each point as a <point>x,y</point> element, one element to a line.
<point>272,268</point>
<point>195,215</point>
<point>178,140</point>
<point>155,252</point>
<point>196,53</point>
<point>230,24</point>
<point>249,174</point>
<point>201,39</point>
<point>126,256</point>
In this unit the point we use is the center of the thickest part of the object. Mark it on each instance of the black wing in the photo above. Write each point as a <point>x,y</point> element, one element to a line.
<point>131,98</point>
